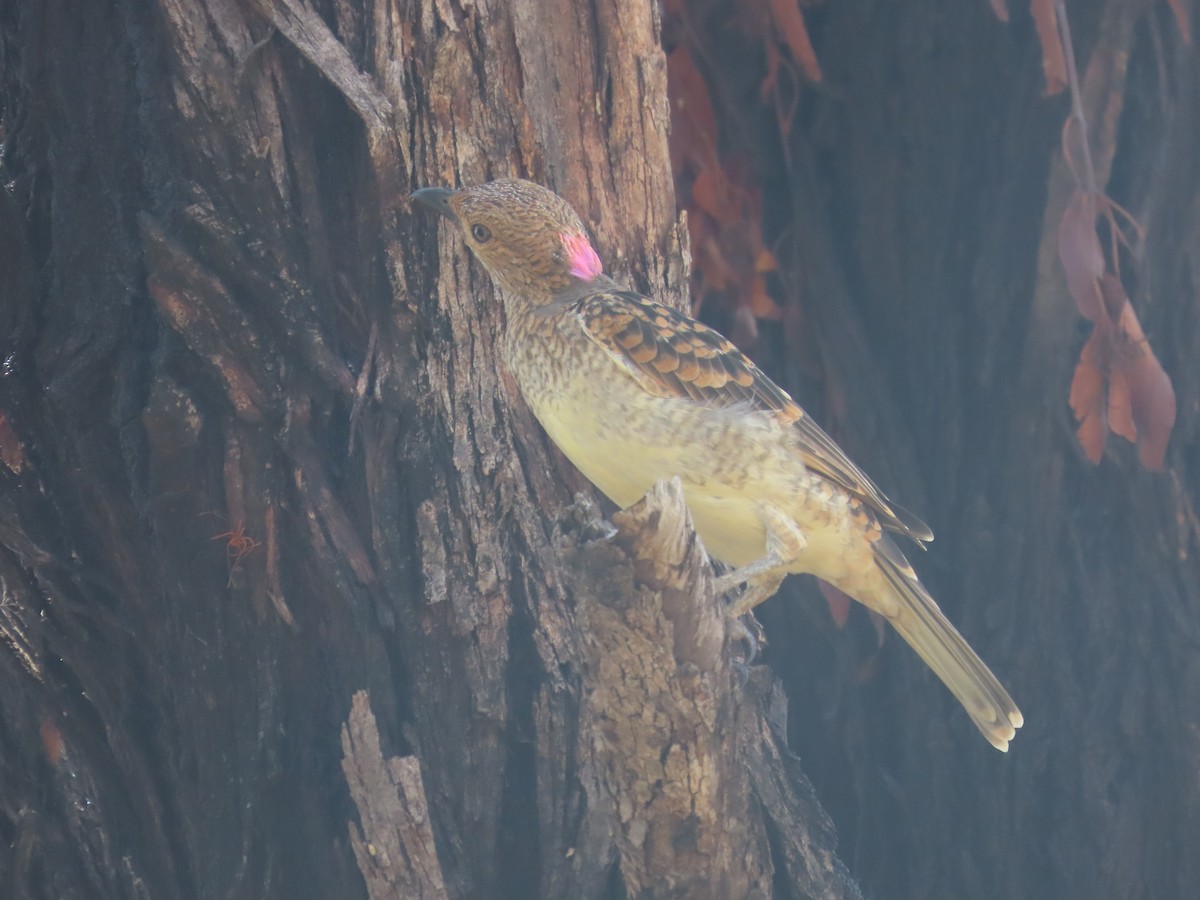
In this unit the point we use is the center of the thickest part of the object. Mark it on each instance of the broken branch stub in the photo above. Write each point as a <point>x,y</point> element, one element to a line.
<point>659,536</point>
<point>394,845</point>
<point>659,699</point>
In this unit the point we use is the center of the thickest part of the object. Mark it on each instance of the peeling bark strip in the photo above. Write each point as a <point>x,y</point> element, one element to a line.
<point>201,309</point>
<point>658,535</point>
<point>681,755</point>
<point>394,843</point>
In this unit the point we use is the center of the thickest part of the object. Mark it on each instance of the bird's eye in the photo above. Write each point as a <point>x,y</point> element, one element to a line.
<point>481,233</point>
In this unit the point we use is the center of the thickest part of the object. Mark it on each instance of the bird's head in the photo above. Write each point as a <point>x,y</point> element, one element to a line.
<point>528,238</point>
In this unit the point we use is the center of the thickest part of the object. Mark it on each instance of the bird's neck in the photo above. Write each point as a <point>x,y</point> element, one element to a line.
<point>532,306</point>
<point>538,322</point>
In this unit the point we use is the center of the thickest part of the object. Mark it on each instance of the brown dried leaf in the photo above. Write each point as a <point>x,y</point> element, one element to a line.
<point>790,22</point>
<point>722,201</point>
<point>761,303</point>
<point>693,143</point>
<point>1120,413</point>
<point>1087,399</point>
<point>1000,8</point>
<point>1120,406</point>
<point>1080,254</point>
<point>1054,64</point>
<point>1182,19</point>
<point>712,192</point>
<point>1140,402</point>
<point>1151,396</point>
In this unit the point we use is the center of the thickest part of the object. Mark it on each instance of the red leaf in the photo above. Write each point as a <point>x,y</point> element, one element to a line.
<point>760,302</point>
<point>790,22</point>
<point>722,204</point>
<point>765,260</point>
<point>1087,399</point>
<point>1120,406</point>
<point>1054,64</point>
<point>1151,396</point>
<point>711,192</point>
<point>693,141</point>
<point>1120,412</point>
<point>1140,402</point>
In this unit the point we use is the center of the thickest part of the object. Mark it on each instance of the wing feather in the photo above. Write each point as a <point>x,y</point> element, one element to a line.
<point>673,355</point>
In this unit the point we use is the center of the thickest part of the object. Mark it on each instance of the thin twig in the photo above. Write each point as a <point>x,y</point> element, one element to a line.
<point>360,388</point>
<point>1064,29</point>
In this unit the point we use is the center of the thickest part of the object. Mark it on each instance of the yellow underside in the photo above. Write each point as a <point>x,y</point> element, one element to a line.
<point>727,518</point>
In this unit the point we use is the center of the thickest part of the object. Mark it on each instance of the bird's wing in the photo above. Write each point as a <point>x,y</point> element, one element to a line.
<point>672,355</point>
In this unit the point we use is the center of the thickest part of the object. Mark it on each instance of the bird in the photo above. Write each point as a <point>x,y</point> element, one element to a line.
<point>633,391</point>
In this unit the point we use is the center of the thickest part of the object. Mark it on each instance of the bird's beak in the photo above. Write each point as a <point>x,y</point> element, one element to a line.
<point>437,199</point>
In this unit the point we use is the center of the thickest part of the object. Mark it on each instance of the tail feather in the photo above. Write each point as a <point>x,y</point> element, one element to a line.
<point>922,624</point>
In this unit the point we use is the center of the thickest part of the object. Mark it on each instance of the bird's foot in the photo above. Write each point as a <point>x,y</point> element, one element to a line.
<point>747,631</point>
<point>785,544</point>
<point>584,516</point>
<point>747,574</point>
<point>762,580</point>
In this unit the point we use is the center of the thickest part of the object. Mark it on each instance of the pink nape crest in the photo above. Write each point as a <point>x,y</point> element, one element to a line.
<point>585,263</point>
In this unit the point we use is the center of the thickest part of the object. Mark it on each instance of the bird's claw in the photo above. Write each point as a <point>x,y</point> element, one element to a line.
<point>584,515</point>
<point>748,631</point>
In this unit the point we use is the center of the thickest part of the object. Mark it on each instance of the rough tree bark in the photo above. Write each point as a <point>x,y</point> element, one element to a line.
<point>297,601</point>
<point>261,459</point>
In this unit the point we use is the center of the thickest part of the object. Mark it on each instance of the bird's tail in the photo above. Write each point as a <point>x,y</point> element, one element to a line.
<point>929,632</point>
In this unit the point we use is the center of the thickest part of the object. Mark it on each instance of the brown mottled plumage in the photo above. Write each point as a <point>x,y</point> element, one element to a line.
<point>633,391</point>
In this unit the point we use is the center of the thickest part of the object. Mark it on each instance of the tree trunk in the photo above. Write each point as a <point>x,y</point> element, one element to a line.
<point>261,456</point>
<point>298,601</point>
